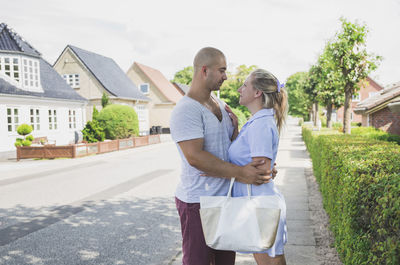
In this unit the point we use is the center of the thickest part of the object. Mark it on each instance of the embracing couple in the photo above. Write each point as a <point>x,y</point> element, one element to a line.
<point>213,151</point>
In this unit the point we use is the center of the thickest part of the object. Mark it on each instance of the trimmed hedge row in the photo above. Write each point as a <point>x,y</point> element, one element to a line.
<point>359,179</point>
<point>374,133</point>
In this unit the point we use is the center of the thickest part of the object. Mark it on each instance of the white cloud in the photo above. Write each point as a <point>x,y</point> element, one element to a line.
<point>283,36</point>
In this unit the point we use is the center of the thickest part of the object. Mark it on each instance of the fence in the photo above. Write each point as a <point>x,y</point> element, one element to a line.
<point>83,149</point>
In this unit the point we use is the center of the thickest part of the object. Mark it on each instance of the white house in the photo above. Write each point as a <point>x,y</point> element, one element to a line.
<point>32,92</point>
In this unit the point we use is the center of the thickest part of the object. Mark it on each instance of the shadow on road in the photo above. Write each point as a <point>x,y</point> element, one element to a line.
<point>118,231</point>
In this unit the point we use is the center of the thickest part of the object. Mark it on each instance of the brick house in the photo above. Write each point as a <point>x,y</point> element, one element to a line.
<point>382,111</point>
<point>367,90</point>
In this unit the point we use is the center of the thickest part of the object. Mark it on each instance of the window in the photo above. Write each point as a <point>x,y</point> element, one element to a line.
<point>72,80</point>
<point>371,94</point>
<point>12,119</point>
<point>9,65</point>
<point>31,73</point>
<point>144,88</point>
<point>141,112</point>
<point>52,119</point>
<point>35,119</point>
<point>356,97</point>
<point>72,119</point>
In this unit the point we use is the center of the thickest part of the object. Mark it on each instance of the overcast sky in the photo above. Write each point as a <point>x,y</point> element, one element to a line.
<point>282,36</point>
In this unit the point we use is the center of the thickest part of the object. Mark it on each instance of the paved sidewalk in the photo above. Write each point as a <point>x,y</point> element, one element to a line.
<point>292,161</point>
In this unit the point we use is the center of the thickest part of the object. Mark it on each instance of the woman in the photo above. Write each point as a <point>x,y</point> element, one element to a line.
<point>258,139</point>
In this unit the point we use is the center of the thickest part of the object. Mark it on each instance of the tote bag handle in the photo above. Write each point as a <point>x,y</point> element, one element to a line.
<point>229,195</point>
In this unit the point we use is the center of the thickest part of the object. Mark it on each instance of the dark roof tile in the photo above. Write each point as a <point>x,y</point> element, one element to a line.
<point>11,41</point>
<point>54,86</point>
<point>109,74</point>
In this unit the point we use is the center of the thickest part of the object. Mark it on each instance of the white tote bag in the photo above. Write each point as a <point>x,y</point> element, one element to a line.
<point>248,223</point>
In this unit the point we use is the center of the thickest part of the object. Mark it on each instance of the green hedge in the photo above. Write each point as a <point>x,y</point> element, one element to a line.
<point>359,179</point>
<point>374,133</point>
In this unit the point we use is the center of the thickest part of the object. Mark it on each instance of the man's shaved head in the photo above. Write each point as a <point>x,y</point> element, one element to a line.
<point>207,56</point>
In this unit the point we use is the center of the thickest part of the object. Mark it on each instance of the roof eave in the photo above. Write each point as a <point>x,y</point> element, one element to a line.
<point>85,101</point>
<point>21,53</point>
<point>360,110</point>
<point>394,107</point>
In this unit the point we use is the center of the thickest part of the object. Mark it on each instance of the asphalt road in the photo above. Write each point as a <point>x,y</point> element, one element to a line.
<point>114,208</point>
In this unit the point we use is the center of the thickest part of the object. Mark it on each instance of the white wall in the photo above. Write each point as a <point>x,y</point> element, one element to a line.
<point>62,135</point>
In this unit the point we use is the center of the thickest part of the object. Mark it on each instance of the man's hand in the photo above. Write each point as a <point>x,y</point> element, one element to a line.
<point>253,173</point>
<point>234,118</point>
<point>235,122</point>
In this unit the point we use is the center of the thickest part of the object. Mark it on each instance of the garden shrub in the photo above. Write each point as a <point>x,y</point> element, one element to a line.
<point>24,129</point>
<point>118,121</point>
<point>359,179</point>
<point>93,132</point>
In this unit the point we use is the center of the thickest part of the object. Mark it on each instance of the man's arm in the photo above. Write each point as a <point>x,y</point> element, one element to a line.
<point>213,166</point>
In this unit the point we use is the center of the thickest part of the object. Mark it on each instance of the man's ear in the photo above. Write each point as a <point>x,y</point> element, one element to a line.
<point>204,70</point>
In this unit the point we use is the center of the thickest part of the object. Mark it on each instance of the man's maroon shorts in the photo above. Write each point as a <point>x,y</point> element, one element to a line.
<point>194,248</point>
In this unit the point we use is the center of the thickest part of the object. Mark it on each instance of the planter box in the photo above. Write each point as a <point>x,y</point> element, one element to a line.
<point>79,150</point>
<point>47,151</point>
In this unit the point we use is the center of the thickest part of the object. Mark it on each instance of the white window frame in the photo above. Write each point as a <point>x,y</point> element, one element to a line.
<point>148,88</point>
<point>72,119</point>
<point>52,119</point>
<point>14,67</point>
<point>31,73</point>
<point>34,118</point>
<point>371,94</point>
<point>72,79</point>
<point>356,98</point>
<point>14,118</point>
<point>141,112</point>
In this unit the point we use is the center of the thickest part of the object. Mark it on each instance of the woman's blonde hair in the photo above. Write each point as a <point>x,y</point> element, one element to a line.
<point>274,94</point>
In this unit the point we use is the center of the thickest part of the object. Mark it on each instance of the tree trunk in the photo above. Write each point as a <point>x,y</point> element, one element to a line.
<point>347,111</point>
<point>315,111</point>
<point>329,115</point>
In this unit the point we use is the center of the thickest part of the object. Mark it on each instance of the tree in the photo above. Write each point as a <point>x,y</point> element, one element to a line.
<point>311,90</point>
<point>229,88</point>
<point>329,83</point>
<point>105,100</point>
<point>184,76</point>
<point>352,61</point>
<point>95,113</point>
<point>300,103</point>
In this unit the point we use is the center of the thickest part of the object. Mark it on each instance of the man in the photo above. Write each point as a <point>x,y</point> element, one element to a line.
<point>203,130</point>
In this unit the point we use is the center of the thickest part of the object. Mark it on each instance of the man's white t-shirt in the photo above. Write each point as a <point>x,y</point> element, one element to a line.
<point>191,120</point>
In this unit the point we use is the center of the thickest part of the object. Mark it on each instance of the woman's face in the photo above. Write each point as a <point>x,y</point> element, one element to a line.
<point>247,92</point>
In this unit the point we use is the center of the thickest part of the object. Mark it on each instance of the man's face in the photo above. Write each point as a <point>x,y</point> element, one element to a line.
<point>216,74</point>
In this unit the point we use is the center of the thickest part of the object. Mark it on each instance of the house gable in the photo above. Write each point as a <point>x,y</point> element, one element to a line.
<point>159,82</point>
<point>69,64</point>
<point>108,74</point>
